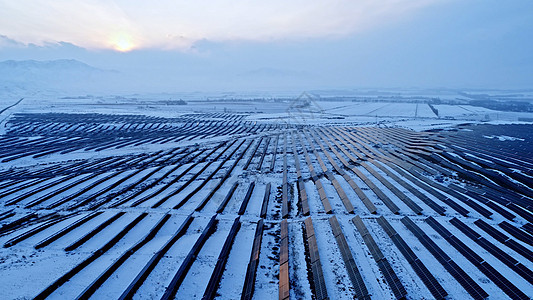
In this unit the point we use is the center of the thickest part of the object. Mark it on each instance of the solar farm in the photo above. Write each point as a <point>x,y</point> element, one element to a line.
<point>225,204</point>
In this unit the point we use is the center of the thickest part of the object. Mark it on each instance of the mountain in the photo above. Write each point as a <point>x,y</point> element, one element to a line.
<point>53,75</point>
<point>51,65</point>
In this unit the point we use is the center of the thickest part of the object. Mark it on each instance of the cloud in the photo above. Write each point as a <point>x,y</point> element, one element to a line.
<point>6,42</point>
<point>178,24</point>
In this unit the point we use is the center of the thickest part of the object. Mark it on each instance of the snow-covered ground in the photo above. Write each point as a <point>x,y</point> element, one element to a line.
<point>146,154</point>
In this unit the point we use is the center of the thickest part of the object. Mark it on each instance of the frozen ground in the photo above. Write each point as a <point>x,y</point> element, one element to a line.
<point>96,194</point>
<point>409,114</point>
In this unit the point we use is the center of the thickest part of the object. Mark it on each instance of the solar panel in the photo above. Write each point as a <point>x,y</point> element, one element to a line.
<point>392,279</point>
<point>517,233</point>
<point>497,252</point>
<point>349,262</point>
<point>520,249</point>
<point>491,231</point>
<point>383,264</point>
<point>505,285</point>
<point>528,227</point>
<point>524,272</point>
<point>463,211</point>
<point>411,226</point>
<point>386,226</point>
<point>318,282</point>
<point>335,226</point>
<point>357,281</point>
<point>360,226</point>
<point>465,251</point>
<point>284,283</point>
<point>464,228</point>
<point>439,228</point>
<point>427,278</point>
<point>466,281</point>
<point>490,272</point>
<point>404,248</point>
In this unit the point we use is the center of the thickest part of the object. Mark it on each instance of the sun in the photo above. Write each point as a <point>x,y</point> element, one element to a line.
<point>123,43</point>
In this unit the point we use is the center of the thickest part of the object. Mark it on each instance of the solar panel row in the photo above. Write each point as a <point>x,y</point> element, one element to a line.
<point>368,204</point>
<point>428,201</point>
<point>427,278</point>
<point>344,198</point>
<point>361,291</point>
<point>390,276</point>
<point>510,289</point>
<point>430,183</point>
<point>410,203</point>
<point>528,227</point>
<point>284,186</point>
<point>318,283</point>
<point>381,195</point>
<point>502,238</point>
<point>495,251</point>
<point>214,281</point>
<point>249,280</point>
<point>302,194</point>
<point>464,280</point>
<point>517,233</point>
<point>266,198</point>
<point>284,283</point>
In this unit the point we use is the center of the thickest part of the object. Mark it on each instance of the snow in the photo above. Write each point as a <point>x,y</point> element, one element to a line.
<point>337,281</point>
<point>503,138</point>
<point>198,276</point>
<point>232,281</point>
<point>268,269</point>
<point>299,281</point>
<point>22,266</point>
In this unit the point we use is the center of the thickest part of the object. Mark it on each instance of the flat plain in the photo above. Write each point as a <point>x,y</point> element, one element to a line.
<point>269,198</point>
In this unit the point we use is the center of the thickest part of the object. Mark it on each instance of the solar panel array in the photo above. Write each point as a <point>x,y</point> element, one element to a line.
<point>211,205</point>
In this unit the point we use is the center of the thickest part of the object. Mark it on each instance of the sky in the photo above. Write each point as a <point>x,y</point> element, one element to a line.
<point>269,45</point>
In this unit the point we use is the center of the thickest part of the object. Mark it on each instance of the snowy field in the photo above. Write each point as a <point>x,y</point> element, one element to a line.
<point>109,197</point>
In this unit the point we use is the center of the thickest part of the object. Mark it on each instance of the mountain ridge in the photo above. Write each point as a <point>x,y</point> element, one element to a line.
<point>63,64</point>
<point>53,75</point>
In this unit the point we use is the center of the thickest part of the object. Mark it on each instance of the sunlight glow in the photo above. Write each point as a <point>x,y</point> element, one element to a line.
<point>178,24</point>
<point>123,43</point>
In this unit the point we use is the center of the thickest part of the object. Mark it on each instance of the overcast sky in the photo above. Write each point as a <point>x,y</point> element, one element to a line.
<point>299,44</point>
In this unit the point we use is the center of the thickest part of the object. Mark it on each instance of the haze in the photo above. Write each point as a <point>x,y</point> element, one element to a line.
<point>274,45</point>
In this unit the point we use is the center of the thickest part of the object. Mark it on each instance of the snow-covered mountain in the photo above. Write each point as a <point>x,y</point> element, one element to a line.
<point>49,65</point>
<point>53,75</point>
